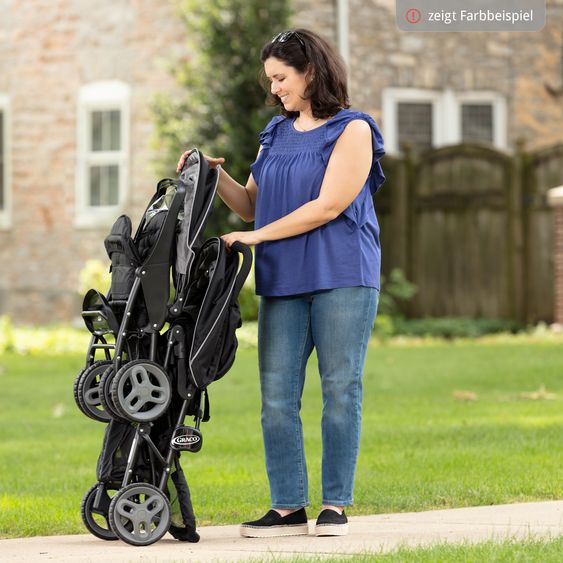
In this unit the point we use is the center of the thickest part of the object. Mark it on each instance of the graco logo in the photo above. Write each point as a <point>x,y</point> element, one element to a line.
<point>185,440</point>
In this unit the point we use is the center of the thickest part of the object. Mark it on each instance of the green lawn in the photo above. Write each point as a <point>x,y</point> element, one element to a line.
<point>531,551</point>
<point>421,448</point>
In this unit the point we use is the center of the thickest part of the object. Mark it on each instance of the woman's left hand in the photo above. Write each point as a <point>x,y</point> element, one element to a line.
<point>247,237</point>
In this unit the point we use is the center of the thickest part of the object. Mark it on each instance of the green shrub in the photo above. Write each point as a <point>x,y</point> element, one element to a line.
<point>60,339</point>
<point>95,274</point>
<point>394,291</point>
<point>454,327</point>
<point>42,340</point>
<point>248,300</point>
<point>6,334</point>
<point>384,327</point>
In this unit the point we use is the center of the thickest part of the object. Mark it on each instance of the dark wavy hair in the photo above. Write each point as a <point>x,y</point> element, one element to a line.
<point>309,53</point>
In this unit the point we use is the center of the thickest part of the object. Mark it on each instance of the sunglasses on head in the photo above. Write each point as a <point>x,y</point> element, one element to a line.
<point>286,36</point>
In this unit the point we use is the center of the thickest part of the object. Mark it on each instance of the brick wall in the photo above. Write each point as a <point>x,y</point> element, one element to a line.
<point>318,15</point>
<point>516,65</point>
<point>49,48</point>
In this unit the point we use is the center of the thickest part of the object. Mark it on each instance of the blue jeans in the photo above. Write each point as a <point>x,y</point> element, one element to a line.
<point>337,322</point>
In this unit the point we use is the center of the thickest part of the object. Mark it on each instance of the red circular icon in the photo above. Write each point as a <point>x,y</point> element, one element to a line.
<point>413,15</point>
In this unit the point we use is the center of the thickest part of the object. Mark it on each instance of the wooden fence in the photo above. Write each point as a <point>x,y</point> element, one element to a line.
<point>470,226</point>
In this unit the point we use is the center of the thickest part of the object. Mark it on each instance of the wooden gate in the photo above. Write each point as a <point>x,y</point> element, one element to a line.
<point>470,226</point>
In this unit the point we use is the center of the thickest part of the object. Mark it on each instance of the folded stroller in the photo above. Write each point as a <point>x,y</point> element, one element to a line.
<point>161,350</point>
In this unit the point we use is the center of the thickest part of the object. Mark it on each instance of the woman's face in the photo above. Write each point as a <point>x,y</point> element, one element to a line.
<point>287,83</point>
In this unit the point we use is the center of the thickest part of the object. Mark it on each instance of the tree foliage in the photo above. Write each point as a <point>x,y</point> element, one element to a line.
<point>223,106</point>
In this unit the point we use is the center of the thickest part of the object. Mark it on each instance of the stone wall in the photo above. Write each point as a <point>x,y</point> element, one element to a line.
<point>516,65</point>
<point>318,15</point>
<point>48,49</point>
<point>523,67</point>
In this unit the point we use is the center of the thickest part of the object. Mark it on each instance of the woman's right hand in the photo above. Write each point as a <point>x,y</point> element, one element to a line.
<point>211,161</point>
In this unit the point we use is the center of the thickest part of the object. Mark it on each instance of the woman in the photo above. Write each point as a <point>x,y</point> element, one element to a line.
<point>317,271</point>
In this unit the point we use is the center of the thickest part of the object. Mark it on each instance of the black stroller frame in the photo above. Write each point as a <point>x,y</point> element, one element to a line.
<point>152,381</point>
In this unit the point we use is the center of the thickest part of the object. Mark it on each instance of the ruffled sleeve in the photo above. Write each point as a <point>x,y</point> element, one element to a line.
<point>334,128</point>
<point>265,142</point>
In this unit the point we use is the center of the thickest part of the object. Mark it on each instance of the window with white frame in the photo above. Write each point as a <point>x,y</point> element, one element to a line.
<point>481,118</point>
<point>477,122</point>
<point>5,191</point>
<point>414,124</point>
<point>103,152</point>
<point>427,118</point>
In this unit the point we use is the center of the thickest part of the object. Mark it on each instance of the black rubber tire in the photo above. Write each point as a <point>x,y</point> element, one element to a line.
<point>124,529</point>
<point>147,415</point>
<point>75,389</point>
<point>105,395</point>
<point>87,515</point>
<point>96,368</point>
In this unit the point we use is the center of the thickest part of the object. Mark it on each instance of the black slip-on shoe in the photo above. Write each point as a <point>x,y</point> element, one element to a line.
<point>330,523</point>
<point>272,525</point>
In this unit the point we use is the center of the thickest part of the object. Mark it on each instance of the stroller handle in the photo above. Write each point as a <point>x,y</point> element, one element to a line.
<point>190,161</point>
<point>243,249</point>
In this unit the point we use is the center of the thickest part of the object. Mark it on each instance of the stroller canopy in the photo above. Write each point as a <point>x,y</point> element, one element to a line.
<point>199,183</point>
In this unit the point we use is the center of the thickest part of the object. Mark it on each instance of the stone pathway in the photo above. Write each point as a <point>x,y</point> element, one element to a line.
<point>382,532</point>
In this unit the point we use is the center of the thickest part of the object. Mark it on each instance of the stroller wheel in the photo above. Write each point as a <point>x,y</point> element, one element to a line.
<point>105,395</point>
<point>140,514</point>
<point>141,391</point>
<point>76,382</point>
<point>95,516</point>
<point>88,391</point>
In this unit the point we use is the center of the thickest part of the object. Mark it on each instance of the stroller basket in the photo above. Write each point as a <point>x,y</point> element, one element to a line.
<point>152,377</point>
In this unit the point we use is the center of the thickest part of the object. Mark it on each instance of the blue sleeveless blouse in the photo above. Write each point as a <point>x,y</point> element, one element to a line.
<point>289,171</point>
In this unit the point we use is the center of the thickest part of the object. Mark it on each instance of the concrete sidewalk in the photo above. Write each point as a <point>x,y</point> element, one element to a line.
<point>367,534</point>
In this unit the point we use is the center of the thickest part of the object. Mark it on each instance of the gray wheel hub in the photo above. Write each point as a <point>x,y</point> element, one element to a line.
<point>141,514</point>
<point>142,391</point>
